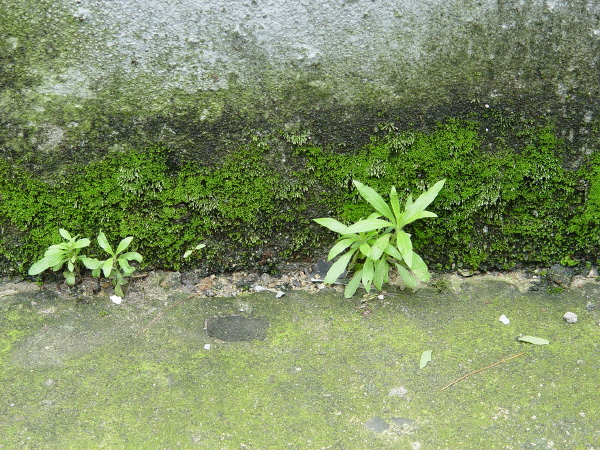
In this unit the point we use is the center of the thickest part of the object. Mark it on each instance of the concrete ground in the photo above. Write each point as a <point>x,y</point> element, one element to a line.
<point>323,372</point>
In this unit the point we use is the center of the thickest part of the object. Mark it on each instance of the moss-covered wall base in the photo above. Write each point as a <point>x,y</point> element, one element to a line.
<point>514,196</point>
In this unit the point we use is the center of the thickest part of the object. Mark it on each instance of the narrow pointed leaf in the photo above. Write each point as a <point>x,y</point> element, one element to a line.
<point>417,216</point>
<point>395,204</point>
<point>368,272</point>
<point>419,268</point>
<point>365,249</point>
<point>406,276</point>
<point>332,224</point>
<point>338,268</point>
<point>374,199</point>
<point>353,285</point>
<point>64,233</point>
<point>381,270</point>
<point>45,263</point>
<point>425,199</point>
<point>379,246</point>
<point>124,244</point>
<point>405,247</point>
<point>393,252</point>
<point>103,243</point>
<point>107,267</point>
<point>339,248</point>
<point>367,225</point>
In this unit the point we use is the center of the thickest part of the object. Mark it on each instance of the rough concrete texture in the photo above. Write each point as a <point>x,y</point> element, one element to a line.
<point>81,375</point>
<point>67,61</point>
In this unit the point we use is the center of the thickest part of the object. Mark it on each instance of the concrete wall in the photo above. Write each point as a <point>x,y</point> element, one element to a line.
<point>74,71</point>
<point>233,87</point>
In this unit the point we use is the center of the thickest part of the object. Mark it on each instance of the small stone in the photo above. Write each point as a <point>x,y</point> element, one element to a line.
<point>279,294</point>
<point>398,391</point>
<point>570,317</point>
<point>504,319</point>
<point>560,275</point>
<point>589,306</point>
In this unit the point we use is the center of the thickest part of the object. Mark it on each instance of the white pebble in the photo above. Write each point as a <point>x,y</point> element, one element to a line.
<point>570,317</point>
<point>206,346</point>
<point>116,299</point>
<point>504,319</point>
<point>279,294</point>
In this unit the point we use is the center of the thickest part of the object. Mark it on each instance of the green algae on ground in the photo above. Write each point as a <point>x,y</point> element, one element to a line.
<point>322,373</point>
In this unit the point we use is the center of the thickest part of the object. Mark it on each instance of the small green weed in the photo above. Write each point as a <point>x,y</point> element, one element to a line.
<point>59,254</point>
<point>374,245</point>
<point>116,268</point>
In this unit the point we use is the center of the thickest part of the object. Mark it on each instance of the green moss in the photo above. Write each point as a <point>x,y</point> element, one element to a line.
<point>508,198</point>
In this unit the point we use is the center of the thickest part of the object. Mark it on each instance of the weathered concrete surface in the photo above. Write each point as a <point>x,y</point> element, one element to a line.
<point>96,75</point>
<point>327,376</point>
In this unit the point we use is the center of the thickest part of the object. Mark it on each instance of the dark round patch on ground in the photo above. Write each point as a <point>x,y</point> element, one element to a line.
<point>237,328</point>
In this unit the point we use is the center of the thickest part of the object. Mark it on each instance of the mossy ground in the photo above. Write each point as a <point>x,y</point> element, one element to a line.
<point>77,373</point>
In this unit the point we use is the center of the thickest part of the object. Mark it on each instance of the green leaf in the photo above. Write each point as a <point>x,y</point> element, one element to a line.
<point>393,252</point>
<point>427,197</point>
<point>395,204</point>
<point>45,263</point>
<point>69,277</point>
<point>406,276</point>
<point>135,256</point>
<point>405,247</point>
<point>425,358</point>
<point>64,233</point>
<point>533,340</point>
<point>332,224</point>
<point>419,268</point>
<point>58,249</point>
<point>368,272</point>
<point>367,225</point>
<point>91,263</point>
<point>103,243</point>
<point>127,269</point>
<point>81,243</point>
<point>338,268</point>
<point>353,285</point>
<point>365,249</point>
<point>107,267</point>
<point>381,270</point>
<point>340,247</point>
<point>124,244</point>
<point>419,215</point>
<point>187,253</point>
<point>376,200</point>
<point>379,246</point>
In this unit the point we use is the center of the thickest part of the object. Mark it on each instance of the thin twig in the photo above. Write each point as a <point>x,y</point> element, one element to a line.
<point>480,370</point>
<point>201,289</point>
